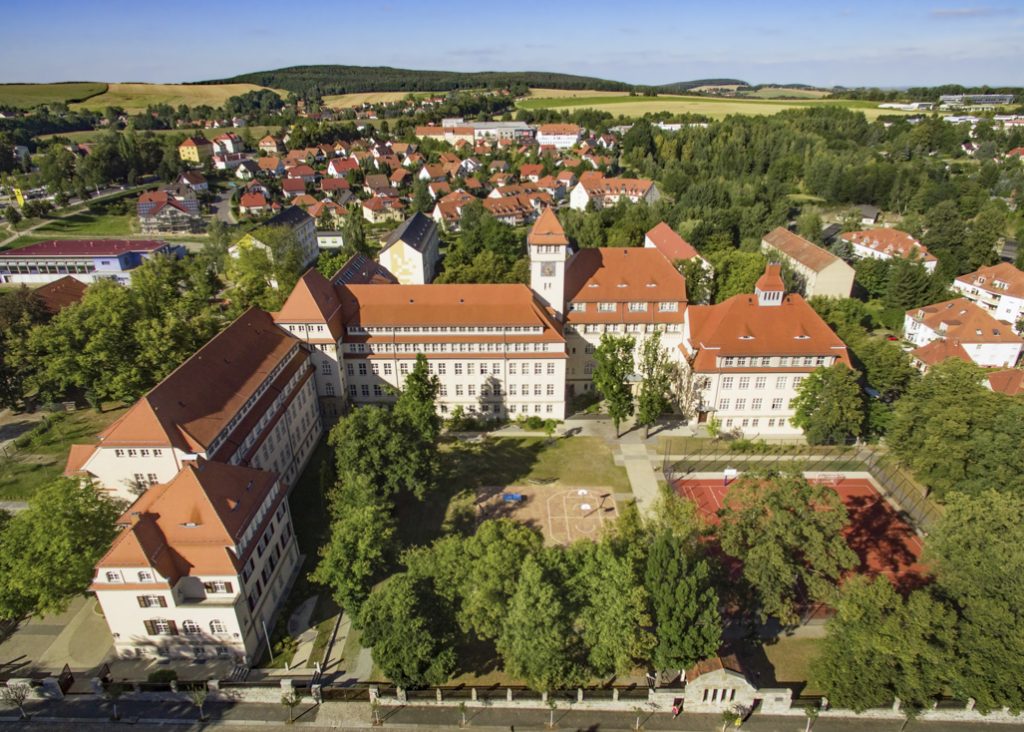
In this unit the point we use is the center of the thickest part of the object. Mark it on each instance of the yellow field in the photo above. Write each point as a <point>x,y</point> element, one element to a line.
<point>136,97</point>
<point>342,101</point>
<point>30,95</point>
<point>775,92</point>
<point>571,93</point>
<point>713,107</point>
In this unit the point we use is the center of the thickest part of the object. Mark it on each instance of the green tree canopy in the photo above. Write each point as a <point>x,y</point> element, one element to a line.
<point>829,405</point>
<point>655,369</point>
<point>613,364</point>
<point>48,552</point>
<point>788,534</point>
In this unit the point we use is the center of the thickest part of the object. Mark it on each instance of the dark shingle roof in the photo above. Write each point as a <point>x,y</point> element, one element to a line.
<point>292,216</point>
<point>416,231</point>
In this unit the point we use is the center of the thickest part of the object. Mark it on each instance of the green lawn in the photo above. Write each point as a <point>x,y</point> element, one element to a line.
<point>781,662</point>
<point>31,95</point>
<point>42,459</point>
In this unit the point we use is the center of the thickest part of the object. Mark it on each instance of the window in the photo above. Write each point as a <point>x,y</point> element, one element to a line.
<point>538,368</point>
<point>755,404</point>
<point>362,368</point>
<point>388,369</point>
<point>536,389</point>
<point>151,478</point>
<point>118,453</point>
<point>606,307</point>
<point>471,390</point>
<point>442,390</point>
<point>760,382</point>
<point>152,601</point>
<point>217,586</point>
<point>190,627</point>
<point>637,307</point>
<point>329,389</point>
<point>551,369</point>
<point>727,382</point>
<point>157,453</point>
<point>114,577</point>
<point>741,404</point>
<point>216,627</point>
<point>143,453</point>
<point>777,404</point>
<point>377,391</point>
<point>723,404</point>
<point>471,368</point>
<point>364,390</point>
<point>442,369</point>
<point>350,370</point>
<point>403,368</point>
<point>551,389</point>
<point>669,307</point>
<point>549,408</point>
<point>744,383</point>
<point>351,390</point>
<point>161,627</point>
<point>797,380</point>
<point>512,369</point>
<point>325,368</point>
<point>780,382</point>
<point>144,576</point>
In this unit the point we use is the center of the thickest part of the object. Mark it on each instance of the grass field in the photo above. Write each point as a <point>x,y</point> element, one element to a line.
<point>775,92</point>
<point>342,101</point>
<point>571,93</point>
<point>82,225</point>
<point>42,459</point>
<point>713,107</point>
<point>136,97</point>
<point>257,131</point>
<point>30,95</point>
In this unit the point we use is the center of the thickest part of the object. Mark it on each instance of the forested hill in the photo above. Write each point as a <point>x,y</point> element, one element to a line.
<point>678,87</point>
<point>323,80</point>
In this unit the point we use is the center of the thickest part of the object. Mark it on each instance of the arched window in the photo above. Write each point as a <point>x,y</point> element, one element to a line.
<point>190,627</point>
<point>217,626</point>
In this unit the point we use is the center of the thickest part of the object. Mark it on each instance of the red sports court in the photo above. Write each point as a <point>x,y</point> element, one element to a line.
<point>884,542</point>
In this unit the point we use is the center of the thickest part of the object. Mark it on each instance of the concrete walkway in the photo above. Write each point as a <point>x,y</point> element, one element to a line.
<point>637,461</point>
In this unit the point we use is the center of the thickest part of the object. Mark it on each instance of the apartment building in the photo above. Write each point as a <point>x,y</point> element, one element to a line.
<point>600,191</point>
<point>999,289</point>
<point>820,271</point>
<point>86,260</point>
<point>300,223</point>
<point>561,136</point>
<point>880,243</point>
<point>200,566</point>
<point>748,355</point>
<point>249,397</point>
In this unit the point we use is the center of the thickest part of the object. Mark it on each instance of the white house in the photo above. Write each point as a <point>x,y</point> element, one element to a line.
<point>959,328</point>
<point>603,191</point>
<point>561,136</point>
<point>999,289</point>
<point>880,243</point>
<point>410,252</point>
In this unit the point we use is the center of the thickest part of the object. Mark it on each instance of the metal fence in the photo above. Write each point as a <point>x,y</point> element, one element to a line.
<point>687,457</point>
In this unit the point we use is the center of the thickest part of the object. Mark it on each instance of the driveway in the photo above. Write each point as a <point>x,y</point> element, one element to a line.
<point>222,207</point>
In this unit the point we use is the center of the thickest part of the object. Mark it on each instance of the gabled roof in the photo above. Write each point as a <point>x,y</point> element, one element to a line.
<point>313,300</point>
<point>623,274</point>
<point>669,243</point>
<point>293,217</point>
<point>984,278</point>
<point>771,280</point>
<point>60,293</point>
<point>84,248</point>
<point>962,320</point>
<point>890,241</point>
<point>799,249</point>
<point>416,232</point>
<point>1007,381</point>
<point>547,230</point>
<point>939,350</point>
<point>361,270</point>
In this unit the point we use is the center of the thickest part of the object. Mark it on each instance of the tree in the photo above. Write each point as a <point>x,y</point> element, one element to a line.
<point>112,693</point>
<point>946,234</point>
<point>13,217</point>
<point>20,310</point>
<point>362,540</point>
<point>984,234</point>
<point>417,402</point>
<point>788,534</point>
<point>879,647</point>
<point>736,272</point>
<point>370,442</point>
<point>290,700</point>
<point>808,225</point>
<point>684,604</point>
<point>614,622</point>
<point>699,281</point>
<point>829,405</point>
<point>15,696</point>
<point>354,236</point>
<point>48,551</point>
<point>421,199</point>
<point>655,370</point>
<point>197,695</point>
<point>410,631</point>
<point>908,286</point>
<point>613,359</point>
<point>538,643</point>
<point>975,552</point>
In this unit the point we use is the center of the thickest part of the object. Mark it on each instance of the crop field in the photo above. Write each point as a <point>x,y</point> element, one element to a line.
<point>571,93</point>
<point>136,97</point>
<point>775,92</point>
<point>713,107</point>
<point>30,95</point>
<point>343,101</point>
<point>257,131</point>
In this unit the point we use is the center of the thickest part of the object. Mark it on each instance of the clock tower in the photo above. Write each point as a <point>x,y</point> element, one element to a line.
<point>549,253</point>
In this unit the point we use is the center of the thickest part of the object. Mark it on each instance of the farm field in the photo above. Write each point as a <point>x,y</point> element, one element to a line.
<point>343,101</point>
<point>774,92</point>
<point>713,107</point>
<point>136,97</point>
<point>257,131</point>
<point>30,95</point>
<point>571,93</point>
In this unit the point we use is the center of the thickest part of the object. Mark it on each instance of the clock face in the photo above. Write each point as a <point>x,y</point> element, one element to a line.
<point>547,269</point>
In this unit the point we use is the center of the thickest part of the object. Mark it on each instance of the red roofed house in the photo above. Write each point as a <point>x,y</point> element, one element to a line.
<point>958,328</point>
<point>377,210</point>
<point>889,244</point>
<point>252,204</point>
<point>292,187</point>
<point>1008,381</point>
<point>195,150</point>
<point>601,191</point>
<point>751,352</point>
<point>821,271</point>
<point>999,289</point>
<point>561,136</point>
<point>270,145</point>
<point>674,247</point>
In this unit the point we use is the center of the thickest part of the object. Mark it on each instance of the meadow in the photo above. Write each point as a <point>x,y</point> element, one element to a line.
<point>257,131</point>
<point>31,95</point>
<point>713,107</point>
<point>343,101</point>
<point>136,97</point>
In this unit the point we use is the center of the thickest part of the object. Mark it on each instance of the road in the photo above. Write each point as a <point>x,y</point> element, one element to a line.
<point>222,207</point>
<point>88,714</point>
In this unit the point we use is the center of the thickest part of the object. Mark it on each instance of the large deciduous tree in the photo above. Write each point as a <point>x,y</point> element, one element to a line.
<point>48,552</point>
<point>613,365</point>
<point>655,369</point>
<point>787,532</point>
<point>829,406</point>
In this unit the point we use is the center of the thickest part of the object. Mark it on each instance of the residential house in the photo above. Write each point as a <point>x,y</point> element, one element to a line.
<point>376,184</point>
<point>194,180</point>
<point>448,210</point>
<point>820,271</point>
<point>340,167</point>
<point>334,186</point>
<point>58,294</point>
<point>560,136</point>
<point>410,252</point>
<point>999,289</point>
<point>1007,381</point>
<point>959,328</point>
<point>432,172</point>
<point>292,187</point>
<point>302,226</point>
<point>195,150</point>
<point>889,244</point>
<point>531,172</point>
<point>163,212</point>
<point>302,172</point>
<point>271,166</point>
<point>869,215</point>
<point>228,143</point>
<point>601,191</point>
<point>381,210</point>
<point>253,204</point>
<point>270,145</point>
<point>247,170</point>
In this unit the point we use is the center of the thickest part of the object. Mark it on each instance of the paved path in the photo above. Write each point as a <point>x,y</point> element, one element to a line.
<point>78,637</point>
<point>222,207</point>
<point>637,462</point>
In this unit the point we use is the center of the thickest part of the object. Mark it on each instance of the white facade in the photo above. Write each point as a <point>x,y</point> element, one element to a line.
<point>562,140</point>
<point>547,274</point>
<point>1000,298</point>
<point>988,354</point>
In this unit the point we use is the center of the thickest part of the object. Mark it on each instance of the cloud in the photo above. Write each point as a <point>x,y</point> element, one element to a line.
<point>976,12</point>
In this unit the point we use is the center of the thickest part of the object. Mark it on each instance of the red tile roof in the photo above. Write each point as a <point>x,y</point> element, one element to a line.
<point>985,278</point>
<point>627,274</point>
<point>963,321</point>
<point>1007,381</point>
<point>60,293</point>
<point>669,243</point>
<point>547,230</point>
<point>799,249</point>
<point>84,248</point>
<point>890,241</point>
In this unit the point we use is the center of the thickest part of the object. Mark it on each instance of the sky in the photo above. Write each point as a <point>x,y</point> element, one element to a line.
<point>888,43</point>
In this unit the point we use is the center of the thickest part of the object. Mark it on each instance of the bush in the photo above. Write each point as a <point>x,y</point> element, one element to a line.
<point>162,676</point>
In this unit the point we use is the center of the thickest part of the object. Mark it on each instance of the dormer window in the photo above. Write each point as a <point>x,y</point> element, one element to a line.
<point>746,337</point>
<point>114,577</point>
<point>802,337</point>
<point>146,576</point>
